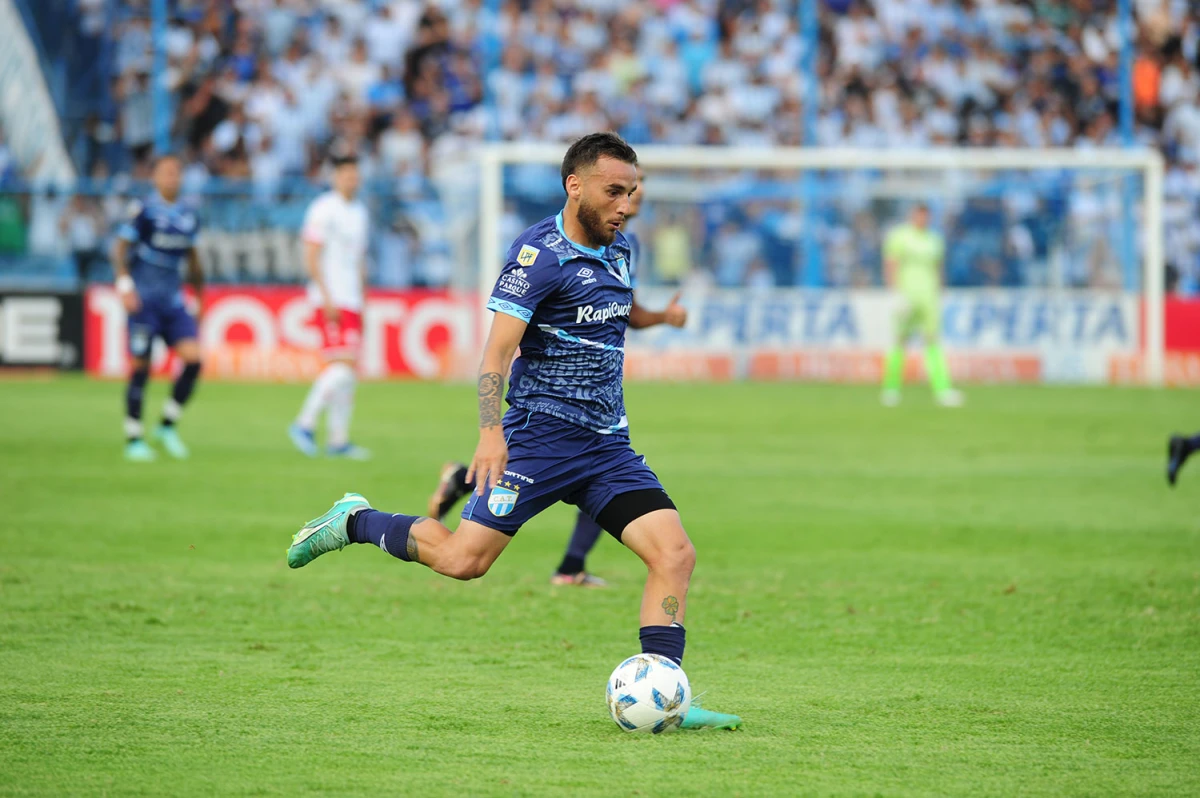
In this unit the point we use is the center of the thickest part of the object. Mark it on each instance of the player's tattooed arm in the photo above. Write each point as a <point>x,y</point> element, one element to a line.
<point>490,385</point>
<point>491,456</point>
<point>670,605</point>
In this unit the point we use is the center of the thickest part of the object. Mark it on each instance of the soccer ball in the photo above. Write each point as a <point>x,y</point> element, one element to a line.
<point>648,693</point>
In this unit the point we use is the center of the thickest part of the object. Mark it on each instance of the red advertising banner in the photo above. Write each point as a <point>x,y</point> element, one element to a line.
<point>259,333</point>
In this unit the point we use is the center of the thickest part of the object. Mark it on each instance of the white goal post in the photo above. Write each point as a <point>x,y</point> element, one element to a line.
<point>1149,163</point>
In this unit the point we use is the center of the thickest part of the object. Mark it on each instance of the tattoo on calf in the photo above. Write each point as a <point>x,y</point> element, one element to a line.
<point>410,549</point>
<point>489,399</point>
<point>670,606</point>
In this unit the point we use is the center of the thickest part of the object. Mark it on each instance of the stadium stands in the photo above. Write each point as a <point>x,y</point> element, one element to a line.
<point>264,87</point>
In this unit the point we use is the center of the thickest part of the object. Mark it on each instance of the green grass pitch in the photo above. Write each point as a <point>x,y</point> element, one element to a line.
<point>999,600</point>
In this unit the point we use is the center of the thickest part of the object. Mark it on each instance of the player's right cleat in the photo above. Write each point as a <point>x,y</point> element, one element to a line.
<point>138,451</point>
<point>890,397</point>
<point>950,398</point>
<point>170,440</point>
<point>451,487</point>
<point>325,533</point>
<point>697,718</point>
<point>1178,451</point>
<point>303,440</point>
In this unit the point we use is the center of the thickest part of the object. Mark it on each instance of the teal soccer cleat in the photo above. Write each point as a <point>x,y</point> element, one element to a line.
<point>324,533</point>
<point>138,451</point>
<point>171,441</point>
<point>697,718</point>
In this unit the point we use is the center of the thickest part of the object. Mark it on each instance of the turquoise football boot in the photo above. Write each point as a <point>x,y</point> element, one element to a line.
<point>326,532</point>
<point>138,451</point>
<point>697,718</point>
<point>170,440</point>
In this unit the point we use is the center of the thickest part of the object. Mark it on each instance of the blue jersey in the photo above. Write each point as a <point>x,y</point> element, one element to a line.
<point>576,301</point>
<point>635,256</point>
<point>161,233</point>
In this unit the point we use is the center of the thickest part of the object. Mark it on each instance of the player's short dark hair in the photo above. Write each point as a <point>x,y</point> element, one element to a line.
<point>341,159</point>
<point>591,148</point>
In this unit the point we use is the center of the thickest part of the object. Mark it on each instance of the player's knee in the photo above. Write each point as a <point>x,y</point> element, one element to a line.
<point>676,557</point>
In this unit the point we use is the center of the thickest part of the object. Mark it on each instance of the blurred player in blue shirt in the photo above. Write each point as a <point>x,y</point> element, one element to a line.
<point>149,255</point>
<point>564,297</point>
<point>453,485</point>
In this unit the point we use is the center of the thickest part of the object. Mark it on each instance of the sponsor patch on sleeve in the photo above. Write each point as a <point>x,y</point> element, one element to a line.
<point>514,282</point>
<point>527,255</point>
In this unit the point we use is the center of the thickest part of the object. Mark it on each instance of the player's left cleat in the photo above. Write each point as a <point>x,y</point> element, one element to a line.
<point>950,398</point>
<point>697,718</point>
<point>170,440</point>
<point>1178,451</point>
<point>581,579</point>
<point>138,451</point>
<point>325,533</point>
<point>452,486</point>
<point>349,451</point>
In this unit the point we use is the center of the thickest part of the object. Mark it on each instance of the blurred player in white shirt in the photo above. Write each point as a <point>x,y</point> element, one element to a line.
<point>335,255</point>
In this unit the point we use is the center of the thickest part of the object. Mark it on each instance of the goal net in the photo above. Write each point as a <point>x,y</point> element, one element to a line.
<point>1053,258</point>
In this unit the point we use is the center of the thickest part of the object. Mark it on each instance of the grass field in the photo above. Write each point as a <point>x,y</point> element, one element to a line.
<point>999,600</point>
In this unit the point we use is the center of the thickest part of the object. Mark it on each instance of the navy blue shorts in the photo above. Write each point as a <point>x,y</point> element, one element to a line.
<point>551,460</point>
<point>169,321</point>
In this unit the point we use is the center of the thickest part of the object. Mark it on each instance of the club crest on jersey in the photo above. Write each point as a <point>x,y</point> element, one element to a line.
<point>503,498</point>
<point>620,270</point>
<point>527,255</point>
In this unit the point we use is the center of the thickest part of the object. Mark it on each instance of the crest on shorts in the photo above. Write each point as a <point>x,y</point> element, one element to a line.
<point>503,498</point>
<point>527,255</point>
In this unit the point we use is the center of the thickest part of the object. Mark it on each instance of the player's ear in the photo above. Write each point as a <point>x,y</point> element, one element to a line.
<point>574,187</point>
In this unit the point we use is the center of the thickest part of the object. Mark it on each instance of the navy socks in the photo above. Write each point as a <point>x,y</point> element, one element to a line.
<point>385,530</point>
<point>583,539</point>
<point>666,641</point>
<point>134,394</point>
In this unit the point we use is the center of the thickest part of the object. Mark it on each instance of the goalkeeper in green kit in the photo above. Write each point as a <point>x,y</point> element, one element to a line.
<point>912,263</point>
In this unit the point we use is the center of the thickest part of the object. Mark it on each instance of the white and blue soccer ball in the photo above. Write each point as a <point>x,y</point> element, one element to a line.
<point>648,693</point>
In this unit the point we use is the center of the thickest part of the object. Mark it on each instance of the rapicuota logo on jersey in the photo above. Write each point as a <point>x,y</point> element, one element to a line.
<point>602,314</point>
<point>503,498</point>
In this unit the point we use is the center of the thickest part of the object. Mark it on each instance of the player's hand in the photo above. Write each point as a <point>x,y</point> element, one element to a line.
<point>675,314</point>
<point>131,301</point>
<point>491,457</point>
<point>332,314</point>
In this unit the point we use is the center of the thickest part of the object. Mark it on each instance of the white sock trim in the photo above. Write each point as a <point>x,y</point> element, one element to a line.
<point>133,428</point>
<point>172,410</point>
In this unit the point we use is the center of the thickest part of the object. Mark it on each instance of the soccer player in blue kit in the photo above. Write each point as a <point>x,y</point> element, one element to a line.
<point>564,297</point>
<point>453,484</point>
<point>162,232</point>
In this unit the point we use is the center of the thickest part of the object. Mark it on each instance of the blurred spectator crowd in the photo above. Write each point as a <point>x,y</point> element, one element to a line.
<point>263,88</point>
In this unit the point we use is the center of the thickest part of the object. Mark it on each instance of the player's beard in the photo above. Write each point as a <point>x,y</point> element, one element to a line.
<point>597,232</point>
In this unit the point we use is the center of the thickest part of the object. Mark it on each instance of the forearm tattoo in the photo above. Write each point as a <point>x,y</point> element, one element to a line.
<point>670,606</point>
<point>489,399</point>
